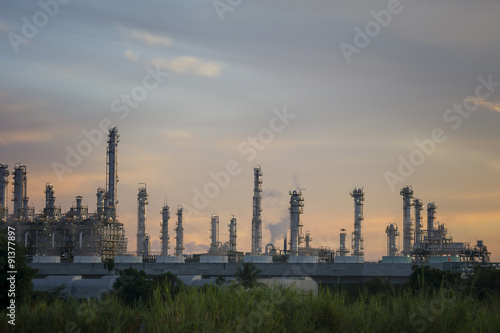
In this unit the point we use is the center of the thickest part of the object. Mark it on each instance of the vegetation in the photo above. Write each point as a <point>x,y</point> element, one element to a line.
<point>262,309</point>
<point>432,301</point>
<point>247,276</point>
<point>134,286</point>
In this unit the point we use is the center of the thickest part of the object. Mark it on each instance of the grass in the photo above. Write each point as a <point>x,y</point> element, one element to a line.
<point>261,309</point>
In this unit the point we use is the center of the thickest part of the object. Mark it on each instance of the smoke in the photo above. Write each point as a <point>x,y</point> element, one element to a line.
<point>295,180</point>
<point>486,104</point>
<point>193,247</point>
<point>274,193</point>
<point>279,229</point>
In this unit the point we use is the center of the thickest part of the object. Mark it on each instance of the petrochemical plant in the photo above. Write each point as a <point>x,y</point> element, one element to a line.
<point>78,236</point>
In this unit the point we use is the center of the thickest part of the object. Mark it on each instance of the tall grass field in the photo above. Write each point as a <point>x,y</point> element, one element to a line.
<point>235,309</point>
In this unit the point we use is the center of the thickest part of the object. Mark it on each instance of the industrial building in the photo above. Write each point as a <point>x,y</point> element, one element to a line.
<point>81,237</point>
<point>74,234</point>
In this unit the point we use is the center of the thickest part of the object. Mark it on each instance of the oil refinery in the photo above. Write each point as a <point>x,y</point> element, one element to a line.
<point>67,243</point>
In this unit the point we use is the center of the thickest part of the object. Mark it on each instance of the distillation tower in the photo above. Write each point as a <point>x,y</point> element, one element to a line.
<point>257,211</point>
<point>4,181</point>
<point>179,233</point>
<point>232,234</point>
<point>417,203</point>
<point>51,212</point>
<point>214,233</point>
<point>431,216</point>
<point>392,235</point>
<point>357,237</point>
<point>110,199</point>
<point>407,193</point>
<point>308,239</point>
<point>343,250</point>
<point>142,201</point>
<point>296,209</point>
<point>21,210</point>
<point>165,240</point>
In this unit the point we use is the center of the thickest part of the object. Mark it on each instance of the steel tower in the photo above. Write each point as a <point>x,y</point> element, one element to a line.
<point>165,240</point>
<point>296,209</point>
<point>357,237</point>
<point>142,199</point>
<point>4,181</point>
<point>179,233</point>
<point>111,172</point>
<point>407,193</point>
<point>257,212</point>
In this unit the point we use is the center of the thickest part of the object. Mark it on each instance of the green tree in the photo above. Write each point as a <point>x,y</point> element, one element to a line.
<point>109,264</point>
<point>24,274</point>
<point>134,286</point>
<point>247,276</point>
<point>485,281</point>
<point>424,278</point>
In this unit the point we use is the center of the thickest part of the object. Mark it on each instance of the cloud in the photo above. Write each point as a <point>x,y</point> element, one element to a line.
<point>130,55</point>
<point>193,247</point>
<point>190,65</point>
<point>486,104</point>
<point>184,64</point>
<point>177,135</point>
<point>150,39</point>
<point>26,136</point>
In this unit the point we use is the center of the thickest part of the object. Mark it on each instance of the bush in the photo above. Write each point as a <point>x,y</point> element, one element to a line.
<point>485,282</point>
<point>426,279</point>
<point>135,286</point>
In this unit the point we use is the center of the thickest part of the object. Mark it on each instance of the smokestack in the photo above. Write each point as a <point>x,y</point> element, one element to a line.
<point>308,240</point>
<point>343,250</point>
<point>214,233</point>
<point>179,233</point>
<point>4,181</point>
<point>20,188</point>
<point>407,193</point>
<point>431,216</point>
<point>392,232</point>
<point>232,234</point>
<point>50,200</point>
<point>357,237</point>
<point>100,200</point>
<point>296,209</point>
<point>417,203</point>
<point>111,172</point>
<point>165,244</point>
<point>257,211</point>
<point>142,198</point>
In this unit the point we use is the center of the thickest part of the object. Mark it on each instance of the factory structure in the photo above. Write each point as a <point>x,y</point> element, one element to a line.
<point>74,234</point>
<point>78,236</point>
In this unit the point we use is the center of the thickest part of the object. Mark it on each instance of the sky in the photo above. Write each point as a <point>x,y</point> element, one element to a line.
<point>325,96</point>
